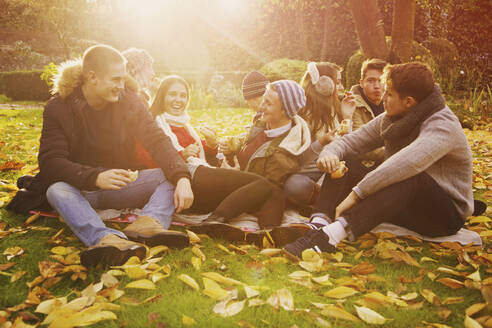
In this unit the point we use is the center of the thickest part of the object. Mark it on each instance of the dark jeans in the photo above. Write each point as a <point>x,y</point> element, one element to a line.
<point>228,193</point>
<point>417,203</point>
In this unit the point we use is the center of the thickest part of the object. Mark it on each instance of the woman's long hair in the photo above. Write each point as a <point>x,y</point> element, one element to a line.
<point>157,107</point>
<point>320,110</point>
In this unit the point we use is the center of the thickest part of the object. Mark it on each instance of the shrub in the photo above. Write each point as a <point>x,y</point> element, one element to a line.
<point>289,69</point>
<point>201,99</point>
<point>49,71</point>
<point>25,85</point>
<point>19,55</point>
<point>419,53</point>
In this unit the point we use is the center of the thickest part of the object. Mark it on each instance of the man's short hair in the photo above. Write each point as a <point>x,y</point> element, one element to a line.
<point>374,63</point>
<point>98,57</point>
<point>411,79</point>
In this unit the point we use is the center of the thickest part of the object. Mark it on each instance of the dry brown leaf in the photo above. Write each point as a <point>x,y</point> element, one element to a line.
<point>435,325</point>
<point>400,256</point>
<point>363,268</point>
<point>17,275</point>
<point>270,251</point>
<point>50,269</point>
<point>453,300</point>
<point>475,276</point>
<point>431,297</point>
<point>443,312</point>
<point>451,283</point>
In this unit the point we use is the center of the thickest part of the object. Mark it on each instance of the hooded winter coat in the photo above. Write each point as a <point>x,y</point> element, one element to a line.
<point>63,152</point>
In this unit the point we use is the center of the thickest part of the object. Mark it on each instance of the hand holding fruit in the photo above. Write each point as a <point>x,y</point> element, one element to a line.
<point>210,136</point>
<point>190,151</point>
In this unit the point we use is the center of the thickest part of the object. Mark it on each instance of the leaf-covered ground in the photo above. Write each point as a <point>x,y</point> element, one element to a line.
<point>379,279</point>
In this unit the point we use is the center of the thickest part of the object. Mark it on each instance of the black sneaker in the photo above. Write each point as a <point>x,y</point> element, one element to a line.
<point>315,239</point>
<point>219,230</point>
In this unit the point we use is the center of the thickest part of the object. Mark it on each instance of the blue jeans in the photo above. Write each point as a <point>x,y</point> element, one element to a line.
<point>151,191</point>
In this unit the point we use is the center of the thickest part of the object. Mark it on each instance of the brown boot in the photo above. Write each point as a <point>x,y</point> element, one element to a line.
<point>149,231</point>
<point>111,250</point>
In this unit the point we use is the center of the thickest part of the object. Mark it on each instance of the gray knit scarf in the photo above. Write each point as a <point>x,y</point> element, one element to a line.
<point>400,132</point>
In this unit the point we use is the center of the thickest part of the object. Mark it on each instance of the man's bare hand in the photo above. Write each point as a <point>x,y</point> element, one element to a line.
<point>346,204</point>
<point>113,179</point>
<point>183,195</point>
<point>328,162</point>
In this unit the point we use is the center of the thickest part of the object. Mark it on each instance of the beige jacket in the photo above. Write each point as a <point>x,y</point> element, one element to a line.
<point>362,115</point>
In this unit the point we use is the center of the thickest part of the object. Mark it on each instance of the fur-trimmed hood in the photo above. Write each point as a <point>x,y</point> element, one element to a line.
<point>69,77</point>
<point>298,139</point>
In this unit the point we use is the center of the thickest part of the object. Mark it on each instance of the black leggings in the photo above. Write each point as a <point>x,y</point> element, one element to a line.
<point>228,192</point>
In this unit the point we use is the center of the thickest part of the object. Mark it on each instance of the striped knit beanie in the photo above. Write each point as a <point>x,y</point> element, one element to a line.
<point>292,96</point>
<point>254,85</point>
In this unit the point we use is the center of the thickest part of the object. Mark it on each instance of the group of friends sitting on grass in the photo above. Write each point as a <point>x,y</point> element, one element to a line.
<point>388,150</point>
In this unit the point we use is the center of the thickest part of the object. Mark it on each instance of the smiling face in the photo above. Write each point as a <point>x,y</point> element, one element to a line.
<point>271,106</point>
<point>108,84</point>
<point>176,99</point>
<point>372,86</point>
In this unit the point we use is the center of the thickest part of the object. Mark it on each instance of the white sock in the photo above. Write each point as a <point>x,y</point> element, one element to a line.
<point>336,232</point>
<point>319,220</point>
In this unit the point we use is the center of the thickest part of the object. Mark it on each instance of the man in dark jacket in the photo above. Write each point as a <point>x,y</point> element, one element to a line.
<point>87,152</point>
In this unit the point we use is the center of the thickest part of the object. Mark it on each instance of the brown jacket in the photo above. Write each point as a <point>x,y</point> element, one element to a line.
<point>279,158</point>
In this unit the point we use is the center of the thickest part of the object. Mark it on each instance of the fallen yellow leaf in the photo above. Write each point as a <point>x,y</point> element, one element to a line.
<point>141,284</point>
<point>370,316</point>
<point>187,321</point>
<point>340,292</point>
<point>189,281</point>
<point>336,312</point>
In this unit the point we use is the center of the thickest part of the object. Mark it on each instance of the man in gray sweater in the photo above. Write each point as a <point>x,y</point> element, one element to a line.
<point>425,182</point>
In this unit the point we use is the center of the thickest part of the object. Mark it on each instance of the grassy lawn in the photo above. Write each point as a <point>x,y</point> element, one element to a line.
<point>405,280</point>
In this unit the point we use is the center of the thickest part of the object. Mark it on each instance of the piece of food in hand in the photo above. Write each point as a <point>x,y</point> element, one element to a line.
<point>340,172</point>
<point>133,175</point>
<point>234,144</point>
<point>207,132</point>
<point>345,127</point>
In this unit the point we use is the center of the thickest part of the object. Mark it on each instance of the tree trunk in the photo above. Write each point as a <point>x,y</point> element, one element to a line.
<point>304,35</point>
<point>402,29</point>
<point>369,27</point>
<point>326,32</point>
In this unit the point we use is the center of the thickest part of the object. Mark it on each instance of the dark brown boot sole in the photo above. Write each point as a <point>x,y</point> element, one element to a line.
<point>110,255</point>
<point>220,231</point>
<point>287,234</point>
<point>172,239</point>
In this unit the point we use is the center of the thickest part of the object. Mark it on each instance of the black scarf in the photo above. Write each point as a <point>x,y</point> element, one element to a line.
<point>400,132</point>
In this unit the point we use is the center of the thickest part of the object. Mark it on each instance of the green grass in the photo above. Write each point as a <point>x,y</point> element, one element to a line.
<point>19,135</point>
